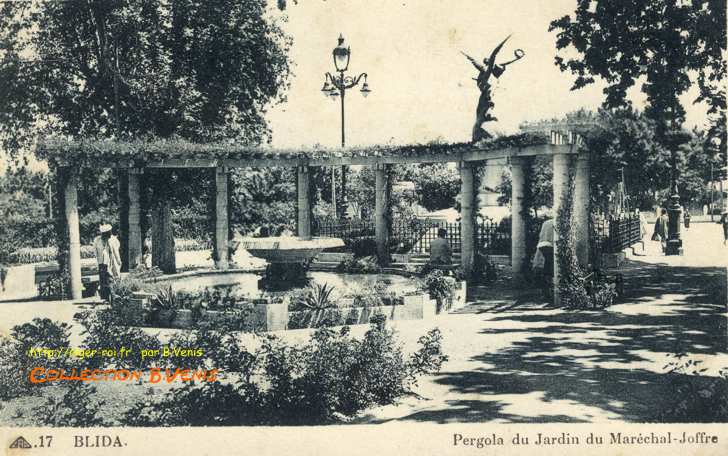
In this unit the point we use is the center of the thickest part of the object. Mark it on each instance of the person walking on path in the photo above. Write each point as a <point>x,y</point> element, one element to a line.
<point>686,219</point>
<point>724,224</point>
<point>108,259</point>
<point>660,233</point>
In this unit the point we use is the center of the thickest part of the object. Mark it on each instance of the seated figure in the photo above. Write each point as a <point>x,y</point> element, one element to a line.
<point>440,252</point>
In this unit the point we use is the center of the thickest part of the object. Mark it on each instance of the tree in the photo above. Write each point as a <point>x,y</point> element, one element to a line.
<point>539,181</point>
<point>204,70</point>
<point>671,43</point>
<point>263,196</point>
<point>437,185</point>
<point>624,142</point>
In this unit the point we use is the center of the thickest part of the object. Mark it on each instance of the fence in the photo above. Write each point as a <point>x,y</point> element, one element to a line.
<point>355,228</point>
<point>607,235</point>
<point>415,235</point>
<point>614,234</point>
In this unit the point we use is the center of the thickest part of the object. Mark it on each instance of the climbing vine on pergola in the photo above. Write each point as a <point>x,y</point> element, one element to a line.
<point>134,158</point>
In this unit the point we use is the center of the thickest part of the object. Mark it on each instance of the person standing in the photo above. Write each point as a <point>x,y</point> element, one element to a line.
<point>546,247</point>
<point>115,248</point>
<point>660,233</point>
<point>686,219</point>
<point>724,224</point>
<point>3,275</point>
<point>107,255</point>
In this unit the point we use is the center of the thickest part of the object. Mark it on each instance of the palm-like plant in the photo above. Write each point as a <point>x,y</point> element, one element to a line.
<point>319,297</point>
<point>166,299</point>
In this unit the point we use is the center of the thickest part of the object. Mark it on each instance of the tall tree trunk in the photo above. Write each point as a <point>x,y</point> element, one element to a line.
<point>163,255</point>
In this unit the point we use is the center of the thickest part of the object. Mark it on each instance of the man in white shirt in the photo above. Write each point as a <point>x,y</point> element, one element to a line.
<point>108,259</point>
<point>546,247</point>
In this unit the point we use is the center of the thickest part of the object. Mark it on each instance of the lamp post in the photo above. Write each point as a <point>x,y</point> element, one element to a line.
<point>674,210</point>
<point>336,86</point>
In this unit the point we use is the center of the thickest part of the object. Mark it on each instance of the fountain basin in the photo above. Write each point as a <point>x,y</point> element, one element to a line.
<point>287,249</point>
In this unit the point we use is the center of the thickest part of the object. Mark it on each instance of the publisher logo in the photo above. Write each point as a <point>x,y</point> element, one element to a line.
<point>20,442</point>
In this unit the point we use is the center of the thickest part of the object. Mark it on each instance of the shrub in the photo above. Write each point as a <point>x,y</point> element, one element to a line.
<point>696,398</point>
<point>190,245</point>
<point>56,286</point>
<point>15,360</point>
<point>362,246</point>
<point>122,290</point>
<point>142,272</point>
<point>29,255</point>
<point>77,407</point>
<point>216,298</point>
<point>439,287</point>
<point>365,265</point>
<point>484,271</point>
<point>209,404</point>
<point>368,296</point>
<point>13,371</point>
<point>331,377</point>
<point>601,295</point>
<point>108,330</point>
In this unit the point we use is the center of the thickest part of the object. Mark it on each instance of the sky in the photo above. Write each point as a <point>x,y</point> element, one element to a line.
<point>421,85</point>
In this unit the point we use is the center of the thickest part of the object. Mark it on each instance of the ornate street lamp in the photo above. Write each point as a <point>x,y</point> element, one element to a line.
<point>675,138</point>
<point>336,86</point>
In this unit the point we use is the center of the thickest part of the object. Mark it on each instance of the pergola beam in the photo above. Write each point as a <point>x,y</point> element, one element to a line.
<point>400,156</point>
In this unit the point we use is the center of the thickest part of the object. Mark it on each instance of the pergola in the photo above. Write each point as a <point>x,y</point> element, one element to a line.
<point>136,156</point>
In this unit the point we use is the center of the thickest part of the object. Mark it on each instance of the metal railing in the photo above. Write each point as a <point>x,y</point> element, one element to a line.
<point>614,234</point>
<point>414,235</point>
<point>354,228</point>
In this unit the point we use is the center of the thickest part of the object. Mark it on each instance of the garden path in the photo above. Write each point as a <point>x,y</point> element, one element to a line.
<point>514,359</point>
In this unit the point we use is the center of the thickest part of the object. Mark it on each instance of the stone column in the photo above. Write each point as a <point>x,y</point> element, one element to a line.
<point>163,251</point>
<point>122,177</point>
<point>467,218</point>
<point>135,230</point>
<point>581,209</point>
<point>519,256</point>
<point>381,227</point>
<point>221,218</point>
<point>74,237</point>
<point>561,177</point>
<point>304,202</point>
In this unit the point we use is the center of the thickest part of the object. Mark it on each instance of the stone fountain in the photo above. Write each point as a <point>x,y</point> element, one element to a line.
<point>287,249</point>
<point>288,257</point>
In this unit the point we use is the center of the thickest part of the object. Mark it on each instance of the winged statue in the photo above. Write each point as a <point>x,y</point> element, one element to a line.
<point>485,102</point>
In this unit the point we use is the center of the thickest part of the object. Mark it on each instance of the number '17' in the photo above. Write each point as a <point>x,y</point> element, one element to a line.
<point>45,441</point>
